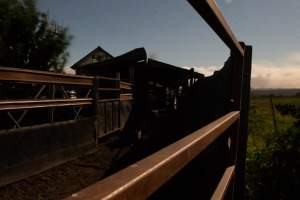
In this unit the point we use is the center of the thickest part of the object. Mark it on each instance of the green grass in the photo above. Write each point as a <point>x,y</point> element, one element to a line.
<point>263,147</point>
<point>287,100</point>
<point>261,123</point>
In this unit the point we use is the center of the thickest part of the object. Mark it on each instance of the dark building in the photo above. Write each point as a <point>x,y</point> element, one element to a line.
<point>160,89</point>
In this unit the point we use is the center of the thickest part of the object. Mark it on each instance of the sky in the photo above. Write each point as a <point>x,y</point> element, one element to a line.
<point>172,31</point>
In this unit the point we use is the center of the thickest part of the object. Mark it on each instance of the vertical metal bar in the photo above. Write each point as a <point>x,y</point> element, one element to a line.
<point>119,113</point>
<point>235,102</point>
<point>119,94</point>
<point>131,74</point>
<point>96,107</point>
<point>118,80</point>
<point>239,187</point>
<point>52,109</point>
<point>112,116</point>
<point>234,132</point>
<point>77,113</point>
<point>105,119</point>
<point>234,135</point>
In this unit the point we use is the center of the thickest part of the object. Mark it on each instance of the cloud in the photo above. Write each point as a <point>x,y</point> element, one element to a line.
<point>285,76</point>
<point>268,74</point>
<point>294,58</point>
<point>207,71</point>
<point>68,70</point>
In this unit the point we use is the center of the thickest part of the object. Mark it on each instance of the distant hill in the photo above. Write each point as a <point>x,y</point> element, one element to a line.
<point>275,92</point>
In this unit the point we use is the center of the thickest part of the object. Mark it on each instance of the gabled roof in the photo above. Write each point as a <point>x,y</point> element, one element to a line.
<point>117,63</point>
<point>74,66</point>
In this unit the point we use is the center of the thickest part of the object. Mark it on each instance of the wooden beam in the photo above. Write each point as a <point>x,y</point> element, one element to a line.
<point>212,14</point>
<point>140,180</point>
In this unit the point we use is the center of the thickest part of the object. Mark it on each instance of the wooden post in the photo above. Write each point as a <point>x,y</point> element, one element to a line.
<point>273,115</point>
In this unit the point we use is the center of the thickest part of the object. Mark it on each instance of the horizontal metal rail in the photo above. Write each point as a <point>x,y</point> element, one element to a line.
<point>108,100</point>
<point>126,97</point>
<point>212,14</point>
<point>221,190</point>
<point>34,76</point>
<point>29,104</point>
<point>126,86</point>
<point>109,89</point>
<point>140,180</point>
<point>123,97</point>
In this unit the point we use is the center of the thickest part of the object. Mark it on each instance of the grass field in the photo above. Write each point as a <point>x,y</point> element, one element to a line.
<point>272,157</point>
<point>261,123</point>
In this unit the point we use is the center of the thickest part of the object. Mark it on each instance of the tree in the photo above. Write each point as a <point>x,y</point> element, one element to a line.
<point>28,39</point>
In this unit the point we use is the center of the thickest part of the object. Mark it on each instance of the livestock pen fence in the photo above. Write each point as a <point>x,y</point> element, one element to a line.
<point>148,176</point>
<point>48,118</point>
<point>23,91</point>
<point>69,104</point>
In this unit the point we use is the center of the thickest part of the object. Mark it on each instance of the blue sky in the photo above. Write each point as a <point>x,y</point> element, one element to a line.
<point>173,32</point>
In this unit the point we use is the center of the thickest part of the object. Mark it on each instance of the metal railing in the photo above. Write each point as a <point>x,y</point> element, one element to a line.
<point>211,13</point>
<point>140,180</point>
<point>33,76</point>
<point>143,178</point>
<point>57,96</point>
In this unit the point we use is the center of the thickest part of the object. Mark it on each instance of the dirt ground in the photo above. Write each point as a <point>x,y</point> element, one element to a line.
<point>112,154</point>
<point>66,179</point>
